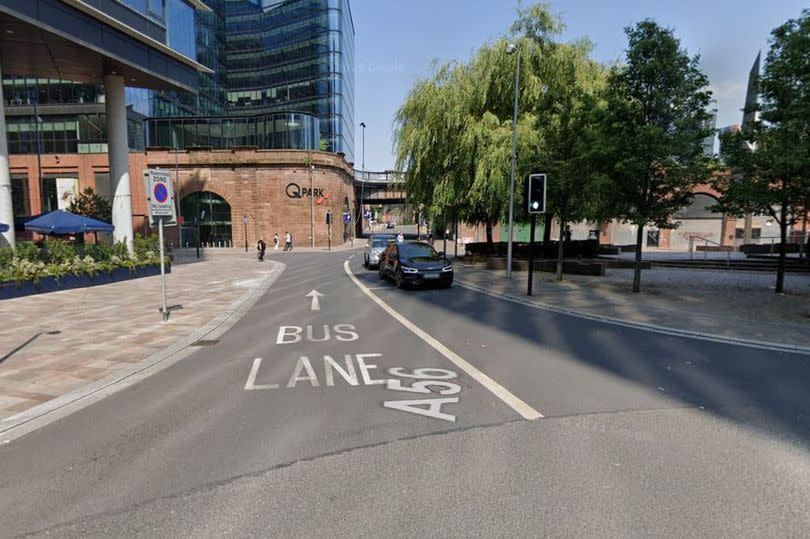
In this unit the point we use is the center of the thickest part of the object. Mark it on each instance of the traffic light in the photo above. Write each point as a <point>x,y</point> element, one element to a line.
<point>536,193</point>
<point>329,218</point>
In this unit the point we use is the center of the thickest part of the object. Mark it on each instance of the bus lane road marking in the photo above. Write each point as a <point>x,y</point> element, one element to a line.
<point>311,372</point>
<point>506,396</point>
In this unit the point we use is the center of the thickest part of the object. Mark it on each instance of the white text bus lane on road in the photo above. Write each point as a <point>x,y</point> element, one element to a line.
<point>356,369</point>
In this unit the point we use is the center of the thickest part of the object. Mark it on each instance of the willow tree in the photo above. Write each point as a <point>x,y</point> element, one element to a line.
<point>570,101</point>
<point>453,135</point>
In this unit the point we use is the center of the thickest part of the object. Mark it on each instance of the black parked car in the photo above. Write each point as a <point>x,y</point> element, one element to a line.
<point>415,263</point>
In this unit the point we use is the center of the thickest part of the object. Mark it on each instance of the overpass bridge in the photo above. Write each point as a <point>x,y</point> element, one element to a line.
<point>386,189</point>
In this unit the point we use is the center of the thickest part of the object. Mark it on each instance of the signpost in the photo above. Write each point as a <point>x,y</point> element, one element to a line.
<point>160,203</point>
<point>535,197</point>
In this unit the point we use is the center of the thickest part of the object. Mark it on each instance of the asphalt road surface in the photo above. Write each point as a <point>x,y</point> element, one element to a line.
<point>371,411</point>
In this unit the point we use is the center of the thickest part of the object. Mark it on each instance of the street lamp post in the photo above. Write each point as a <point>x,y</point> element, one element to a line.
<point>512,49</point>
<point>37,121</point>
<point>245,221</point>
<point>311,208</point>
<point>363,181</point>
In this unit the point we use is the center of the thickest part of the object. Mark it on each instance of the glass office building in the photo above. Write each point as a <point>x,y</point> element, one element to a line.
<point>282,67</point>
<point>293,55</point>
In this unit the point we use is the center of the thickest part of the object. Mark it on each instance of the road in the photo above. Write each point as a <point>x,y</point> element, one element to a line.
<point>299,422</point>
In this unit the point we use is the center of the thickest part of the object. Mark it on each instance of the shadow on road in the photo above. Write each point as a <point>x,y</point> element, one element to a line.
<point>765,390</point>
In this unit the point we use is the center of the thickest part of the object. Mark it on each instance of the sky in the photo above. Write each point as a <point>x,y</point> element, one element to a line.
<point>397,42</point>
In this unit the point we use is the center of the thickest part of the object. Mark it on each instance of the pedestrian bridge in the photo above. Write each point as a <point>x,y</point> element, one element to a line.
<point>379,187</point>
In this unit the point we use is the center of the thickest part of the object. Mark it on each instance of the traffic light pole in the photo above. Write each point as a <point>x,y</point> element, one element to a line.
<point>531,253</point>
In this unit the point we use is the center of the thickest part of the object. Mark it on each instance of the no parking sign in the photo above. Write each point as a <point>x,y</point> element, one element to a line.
<point>160,196</point>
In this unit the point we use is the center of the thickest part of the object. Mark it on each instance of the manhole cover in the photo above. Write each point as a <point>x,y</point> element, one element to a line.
<point>209,342</point>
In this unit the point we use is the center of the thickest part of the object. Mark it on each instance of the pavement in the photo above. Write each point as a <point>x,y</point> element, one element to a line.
<point>731,304</point>
<point>341,406</point>
<point>52,344</point>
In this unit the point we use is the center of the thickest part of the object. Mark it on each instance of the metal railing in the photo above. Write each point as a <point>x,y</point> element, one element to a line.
<point>220,244</point>
<point>706,243</point>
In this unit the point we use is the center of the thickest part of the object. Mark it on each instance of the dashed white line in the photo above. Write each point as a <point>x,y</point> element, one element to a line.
<point>525,411</point>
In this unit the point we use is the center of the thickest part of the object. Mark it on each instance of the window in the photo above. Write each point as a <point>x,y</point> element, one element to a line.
<point>20,202</point>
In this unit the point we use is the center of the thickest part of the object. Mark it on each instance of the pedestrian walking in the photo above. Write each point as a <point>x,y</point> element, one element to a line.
<point>262,247</point>
<point>567,234</point>
<point>288,244</point>
<point>275,242</point>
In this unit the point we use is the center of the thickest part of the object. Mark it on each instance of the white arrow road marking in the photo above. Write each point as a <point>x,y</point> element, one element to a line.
<point>316,304</point>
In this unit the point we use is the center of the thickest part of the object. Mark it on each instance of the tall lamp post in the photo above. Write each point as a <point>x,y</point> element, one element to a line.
<point>311,208</point>
<point>513,49</point>
<point>245,222</point>
<point>363,178</point>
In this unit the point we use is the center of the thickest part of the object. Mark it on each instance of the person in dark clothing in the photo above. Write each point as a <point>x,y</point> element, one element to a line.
<point>567,234</point>
<point>262,247</point>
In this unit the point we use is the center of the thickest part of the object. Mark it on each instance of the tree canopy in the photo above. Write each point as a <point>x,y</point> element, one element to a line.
<point>656,119</point>
<point>769,161</point>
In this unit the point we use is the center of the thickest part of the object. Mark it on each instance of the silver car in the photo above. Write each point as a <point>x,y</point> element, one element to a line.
<point>374,247</point>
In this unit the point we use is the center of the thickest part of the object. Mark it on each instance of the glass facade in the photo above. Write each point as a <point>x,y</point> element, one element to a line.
<point>293,55</point>
<point>176,16</point>
<point>71,133</point>
<point>27,91</point>
<point>289,131</point>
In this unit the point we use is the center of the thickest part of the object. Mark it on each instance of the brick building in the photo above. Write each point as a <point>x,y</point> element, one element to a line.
<point>220,188</point>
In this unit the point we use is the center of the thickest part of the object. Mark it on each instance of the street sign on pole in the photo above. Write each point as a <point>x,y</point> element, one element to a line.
<point>160,203</point>
<point>159,196</point>
<point>347,218</point>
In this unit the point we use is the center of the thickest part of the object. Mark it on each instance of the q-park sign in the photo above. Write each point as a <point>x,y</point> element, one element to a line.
<point>347,218</point>
<point>159,196</point>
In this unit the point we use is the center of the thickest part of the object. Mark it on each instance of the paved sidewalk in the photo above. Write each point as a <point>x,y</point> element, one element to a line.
<point>51,344</point>
<point>732,304</point>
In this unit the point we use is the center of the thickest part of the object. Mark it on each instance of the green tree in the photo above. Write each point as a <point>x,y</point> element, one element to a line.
<point>570,102</point>
<point>91,204</point>
<point>770,161</point>
<point>651,133</point>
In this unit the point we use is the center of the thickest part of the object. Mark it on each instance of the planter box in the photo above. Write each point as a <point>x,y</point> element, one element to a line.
<point>51,284</point>
<point>767,248</point>
<point>571,267</point>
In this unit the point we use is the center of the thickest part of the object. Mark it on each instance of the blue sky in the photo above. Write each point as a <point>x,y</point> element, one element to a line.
<point>397,40</point>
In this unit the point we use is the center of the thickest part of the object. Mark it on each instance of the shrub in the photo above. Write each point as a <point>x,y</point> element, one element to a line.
<point>6,256</point>
<point>120,250</point>
<point>146,247</point>
<point>27,250</point>
<point>100,252</point>
<point>59,251</point>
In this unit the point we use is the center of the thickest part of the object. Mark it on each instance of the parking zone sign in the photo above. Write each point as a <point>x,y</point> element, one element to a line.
<point>160,196</point>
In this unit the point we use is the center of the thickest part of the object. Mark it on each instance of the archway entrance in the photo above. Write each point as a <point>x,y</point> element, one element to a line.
<point>209,215</point>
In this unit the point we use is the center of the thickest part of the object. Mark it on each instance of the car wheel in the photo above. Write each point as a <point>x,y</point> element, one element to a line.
<point>399,279</point>
<point>365,262</point>
<point>447,285</point>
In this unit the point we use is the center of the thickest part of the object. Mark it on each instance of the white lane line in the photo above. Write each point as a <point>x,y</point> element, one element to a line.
<point>525,411</point>
<point>642,326</point>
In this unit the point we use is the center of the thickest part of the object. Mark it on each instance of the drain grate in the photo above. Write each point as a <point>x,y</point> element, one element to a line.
<point>205,342</point>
